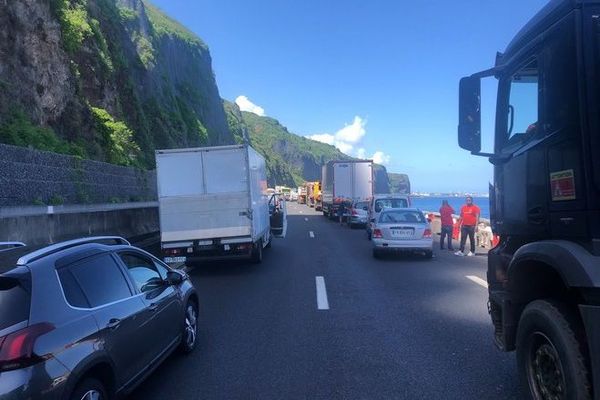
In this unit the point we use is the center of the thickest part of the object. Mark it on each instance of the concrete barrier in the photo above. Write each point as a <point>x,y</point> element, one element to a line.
<point>43,225</point>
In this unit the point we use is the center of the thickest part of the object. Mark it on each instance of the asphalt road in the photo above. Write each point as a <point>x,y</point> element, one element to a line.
<point>397,328</point>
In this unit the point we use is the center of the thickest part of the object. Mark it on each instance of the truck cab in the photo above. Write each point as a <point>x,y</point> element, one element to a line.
<point>544,275</point>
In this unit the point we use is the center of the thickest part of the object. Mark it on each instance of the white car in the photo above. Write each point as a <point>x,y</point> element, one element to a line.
<point>380,202</point>
<point>359,214</point>
<point>402,230</point>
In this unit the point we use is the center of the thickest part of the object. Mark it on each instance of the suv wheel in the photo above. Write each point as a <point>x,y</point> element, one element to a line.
<point>89,389</point>
<point>190,327</point>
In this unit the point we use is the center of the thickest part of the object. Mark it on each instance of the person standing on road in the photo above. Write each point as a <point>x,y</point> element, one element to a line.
<point>446,212</point>
<point>341,210</point>
<point>469,219</point>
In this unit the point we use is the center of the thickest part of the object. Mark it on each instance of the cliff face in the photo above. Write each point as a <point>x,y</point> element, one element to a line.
<point>106,79</point>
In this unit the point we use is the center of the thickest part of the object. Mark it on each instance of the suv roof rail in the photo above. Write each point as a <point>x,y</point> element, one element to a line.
<point>54,248</point>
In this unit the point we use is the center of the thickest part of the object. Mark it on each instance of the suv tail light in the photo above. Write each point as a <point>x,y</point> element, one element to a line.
<point>377,233</point>
<point>16,349</point>
<point>427,233</point>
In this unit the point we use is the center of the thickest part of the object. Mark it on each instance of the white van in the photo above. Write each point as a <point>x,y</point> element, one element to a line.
<point>382,201</point>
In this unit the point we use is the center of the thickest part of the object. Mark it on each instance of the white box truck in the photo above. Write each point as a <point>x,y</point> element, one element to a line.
<point>213,204</point>
<point>344,182</point>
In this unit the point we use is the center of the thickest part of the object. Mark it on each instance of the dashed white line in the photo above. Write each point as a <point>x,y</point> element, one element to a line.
<point>306,219</point>
<point>311,234</point>
<point>322,303</point>
<point>477,280</point>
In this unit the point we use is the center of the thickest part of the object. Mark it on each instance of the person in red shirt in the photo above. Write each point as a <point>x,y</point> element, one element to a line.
<point>446,212</point>
<point>469,219</point>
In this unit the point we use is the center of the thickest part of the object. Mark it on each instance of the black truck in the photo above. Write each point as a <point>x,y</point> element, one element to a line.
<point>544,275</point>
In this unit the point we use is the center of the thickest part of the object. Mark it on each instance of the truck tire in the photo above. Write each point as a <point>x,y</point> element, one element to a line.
<point>551,352</point>
<point>257,253</point>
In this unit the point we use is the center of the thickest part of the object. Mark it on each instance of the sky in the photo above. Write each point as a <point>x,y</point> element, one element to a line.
<point>377,79</point>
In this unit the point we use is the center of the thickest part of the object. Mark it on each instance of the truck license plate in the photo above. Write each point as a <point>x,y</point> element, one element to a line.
<point>402,233</point>
<point>174,260</point>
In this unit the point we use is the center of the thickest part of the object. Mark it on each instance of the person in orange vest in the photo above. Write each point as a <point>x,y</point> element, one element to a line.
<point>469,219</point>
<point>446,212</point>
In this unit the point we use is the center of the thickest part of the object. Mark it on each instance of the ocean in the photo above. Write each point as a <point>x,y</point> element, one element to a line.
<point>434,204</point>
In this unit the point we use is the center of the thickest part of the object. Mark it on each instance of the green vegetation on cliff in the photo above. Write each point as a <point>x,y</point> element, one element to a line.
<point>125,79</point>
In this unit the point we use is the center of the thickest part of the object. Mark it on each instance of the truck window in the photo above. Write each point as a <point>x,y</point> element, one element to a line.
<point>522,117</point>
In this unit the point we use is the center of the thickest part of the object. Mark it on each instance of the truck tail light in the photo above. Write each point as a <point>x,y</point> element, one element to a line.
<point>377,233</point>
<point>16,349</point>
<point>427,233</point>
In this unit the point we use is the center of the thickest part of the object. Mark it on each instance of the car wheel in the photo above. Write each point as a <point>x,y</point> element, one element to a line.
<point>89,389</point>
<point>428,254</point>
<point>551,355</point>
<point>190,328</point>
<point>257,253</point>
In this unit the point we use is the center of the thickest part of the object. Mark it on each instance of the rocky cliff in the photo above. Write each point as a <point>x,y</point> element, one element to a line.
<point>110,80</point>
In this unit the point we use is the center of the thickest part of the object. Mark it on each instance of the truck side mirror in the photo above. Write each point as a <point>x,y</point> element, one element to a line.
<point>469,114</point>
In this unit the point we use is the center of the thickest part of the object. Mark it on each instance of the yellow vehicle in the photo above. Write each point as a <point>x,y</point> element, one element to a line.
<point>314,194</point>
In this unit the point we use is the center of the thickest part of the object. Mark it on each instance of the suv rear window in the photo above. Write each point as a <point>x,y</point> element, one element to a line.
<point>361,205</point>
<point>390,203</point>
<point>94,282</point>
<point>14,302</point>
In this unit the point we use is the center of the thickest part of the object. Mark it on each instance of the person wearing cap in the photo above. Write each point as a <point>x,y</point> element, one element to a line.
<point>469,219</point>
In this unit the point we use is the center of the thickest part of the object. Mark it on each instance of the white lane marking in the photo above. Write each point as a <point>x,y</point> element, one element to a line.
<point>322,303</point>
<point>311,234</point>
<point>477,280</point>
<point>306,219</point>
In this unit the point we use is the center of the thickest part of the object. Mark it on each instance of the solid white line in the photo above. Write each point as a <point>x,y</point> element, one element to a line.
<point>322,303</point>
<point>311,234</point>
<point>478,280</point>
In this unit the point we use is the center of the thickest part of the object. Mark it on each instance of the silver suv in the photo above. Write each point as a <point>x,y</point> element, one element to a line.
<point>89,319</point>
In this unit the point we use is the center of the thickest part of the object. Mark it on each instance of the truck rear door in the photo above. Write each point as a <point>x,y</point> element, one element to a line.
<point>363,180</point>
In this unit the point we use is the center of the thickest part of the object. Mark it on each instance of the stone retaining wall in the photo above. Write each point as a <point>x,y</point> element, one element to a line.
<point>30,177</point>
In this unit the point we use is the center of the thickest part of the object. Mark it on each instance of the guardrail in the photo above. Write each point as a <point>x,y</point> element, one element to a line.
<point>26,211</point>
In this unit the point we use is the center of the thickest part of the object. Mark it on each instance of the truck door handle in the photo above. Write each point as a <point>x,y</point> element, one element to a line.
<point>152,307</point>
<point>113,323</point>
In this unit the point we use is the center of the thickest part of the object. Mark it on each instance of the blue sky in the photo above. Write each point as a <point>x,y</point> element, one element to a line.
<point>374,77</point>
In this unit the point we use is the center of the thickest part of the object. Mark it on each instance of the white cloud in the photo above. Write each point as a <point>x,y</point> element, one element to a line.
<point>361,153</point>
<point>344,147</point>
<point>323,138</point>
<point>352,133</point>
<point>246,105</point>
<point>345,138</point>
<point>380,157</point>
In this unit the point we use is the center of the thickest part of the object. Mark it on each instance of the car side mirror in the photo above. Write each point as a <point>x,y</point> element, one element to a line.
<point>174,278</point>
<point>469,114</point>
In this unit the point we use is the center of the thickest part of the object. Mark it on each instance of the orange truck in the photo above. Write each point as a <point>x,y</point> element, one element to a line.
<point>313,190</point>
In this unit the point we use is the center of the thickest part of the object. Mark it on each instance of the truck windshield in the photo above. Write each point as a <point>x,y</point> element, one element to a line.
<point>523,104</point>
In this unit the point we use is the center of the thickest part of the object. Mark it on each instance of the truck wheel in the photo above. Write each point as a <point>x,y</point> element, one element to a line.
<point>257,252</point>
<point>551,352</point>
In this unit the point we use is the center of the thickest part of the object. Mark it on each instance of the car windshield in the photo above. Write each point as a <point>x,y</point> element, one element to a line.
<point>401,216</point>
<point>380,204</point>
<point>361,205</point>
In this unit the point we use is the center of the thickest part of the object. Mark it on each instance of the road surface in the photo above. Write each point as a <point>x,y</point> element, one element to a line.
<point>321,319</point>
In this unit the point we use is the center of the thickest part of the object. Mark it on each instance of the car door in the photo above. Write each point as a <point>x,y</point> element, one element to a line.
<point>164,308</point>
<point>278,216</point>
<point>99,285</point>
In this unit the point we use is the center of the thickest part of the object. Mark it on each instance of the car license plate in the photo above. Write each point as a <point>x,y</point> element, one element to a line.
<point>174,260</point>
<point>402,233</point>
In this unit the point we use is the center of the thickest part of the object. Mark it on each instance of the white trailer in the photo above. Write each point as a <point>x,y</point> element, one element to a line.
<point>213,203</point>
<point>344,182</point>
